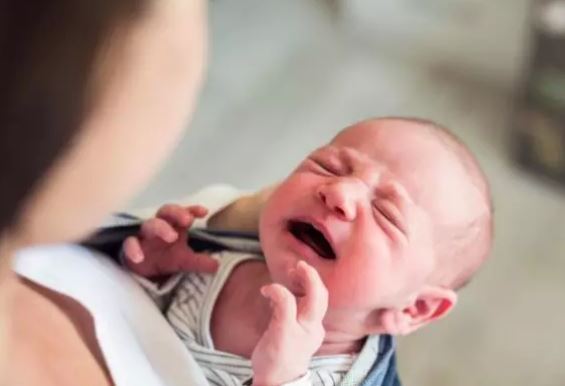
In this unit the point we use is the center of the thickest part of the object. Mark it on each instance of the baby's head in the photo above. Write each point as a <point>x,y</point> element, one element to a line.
<point>393,213</point>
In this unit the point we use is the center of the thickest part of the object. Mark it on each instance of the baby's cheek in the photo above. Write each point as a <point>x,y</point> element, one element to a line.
<point>352,289</point>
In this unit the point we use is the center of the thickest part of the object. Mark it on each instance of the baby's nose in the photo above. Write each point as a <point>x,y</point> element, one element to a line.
<point>342,197</point>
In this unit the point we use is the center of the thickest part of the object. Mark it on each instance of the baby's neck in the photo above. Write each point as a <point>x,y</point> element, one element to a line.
<point>340,347</point>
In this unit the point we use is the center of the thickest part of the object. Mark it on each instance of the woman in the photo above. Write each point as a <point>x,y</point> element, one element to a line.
<point>93,96</point>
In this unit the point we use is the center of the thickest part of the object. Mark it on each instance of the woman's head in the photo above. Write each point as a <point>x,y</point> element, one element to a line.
<point>93,95</point>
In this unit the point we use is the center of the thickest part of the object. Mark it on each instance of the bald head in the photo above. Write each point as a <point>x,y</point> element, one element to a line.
<point>468,244</point>
<point>460,197</point>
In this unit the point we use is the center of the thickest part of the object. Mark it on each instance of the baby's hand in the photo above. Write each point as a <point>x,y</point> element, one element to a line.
<point>295,332</point>
<point>161,247</point>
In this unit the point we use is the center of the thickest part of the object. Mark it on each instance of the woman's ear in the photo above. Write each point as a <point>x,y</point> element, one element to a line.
<point>430,305</point>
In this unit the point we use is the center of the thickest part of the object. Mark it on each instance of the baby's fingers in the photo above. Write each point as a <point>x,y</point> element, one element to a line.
<point>283,303</point>
<point>176,215</point>
<point>133,251</point>
<point>158,228</point>
<point>179,216</point>
<point>197,211</point>
<point>314,304</point>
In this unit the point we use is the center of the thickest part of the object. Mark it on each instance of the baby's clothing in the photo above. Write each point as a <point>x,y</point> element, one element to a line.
<point>188,300</point>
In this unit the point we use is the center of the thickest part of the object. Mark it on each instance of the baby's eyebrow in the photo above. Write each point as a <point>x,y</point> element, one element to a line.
<point>347,155</point>
<point>339,153</point>
<point>396,190</point>
<point>323,150</point>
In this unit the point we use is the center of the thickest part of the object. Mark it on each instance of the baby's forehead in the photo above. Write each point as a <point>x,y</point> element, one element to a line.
<point>416,157</point>
<point>395,143</point>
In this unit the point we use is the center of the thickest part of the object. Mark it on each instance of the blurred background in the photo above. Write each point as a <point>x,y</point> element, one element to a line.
<point>286,75</point>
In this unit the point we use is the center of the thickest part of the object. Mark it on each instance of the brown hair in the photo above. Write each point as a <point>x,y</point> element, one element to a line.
<point>48,51</point>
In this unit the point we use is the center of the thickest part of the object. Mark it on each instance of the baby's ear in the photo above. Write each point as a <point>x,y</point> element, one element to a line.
<point>431,304</point>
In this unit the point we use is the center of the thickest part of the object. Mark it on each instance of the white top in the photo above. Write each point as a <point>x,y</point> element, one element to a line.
<point>138,344</point>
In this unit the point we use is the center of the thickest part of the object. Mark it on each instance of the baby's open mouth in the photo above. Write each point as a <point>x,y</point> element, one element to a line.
<point>312,237</point>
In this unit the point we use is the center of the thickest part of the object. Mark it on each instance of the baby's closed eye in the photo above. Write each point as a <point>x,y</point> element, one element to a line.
<point>390,213</point>
<point>329,166</point>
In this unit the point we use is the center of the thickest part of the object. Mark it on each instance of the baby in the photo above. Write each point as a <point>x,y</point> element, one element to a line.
<point>371,235</point>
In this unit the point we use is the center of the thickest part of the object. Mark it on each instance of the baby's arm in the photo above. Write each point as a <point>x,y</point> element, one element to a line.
<point>242,214</point>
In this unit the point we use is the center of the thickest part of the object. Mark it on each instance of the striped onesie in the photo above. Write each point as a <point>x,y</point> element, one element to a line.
<point>187,301</point>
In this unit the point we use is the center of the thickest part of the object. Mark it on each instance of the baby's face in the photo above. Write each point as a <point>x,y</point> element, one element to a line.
<point>362,211</point>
